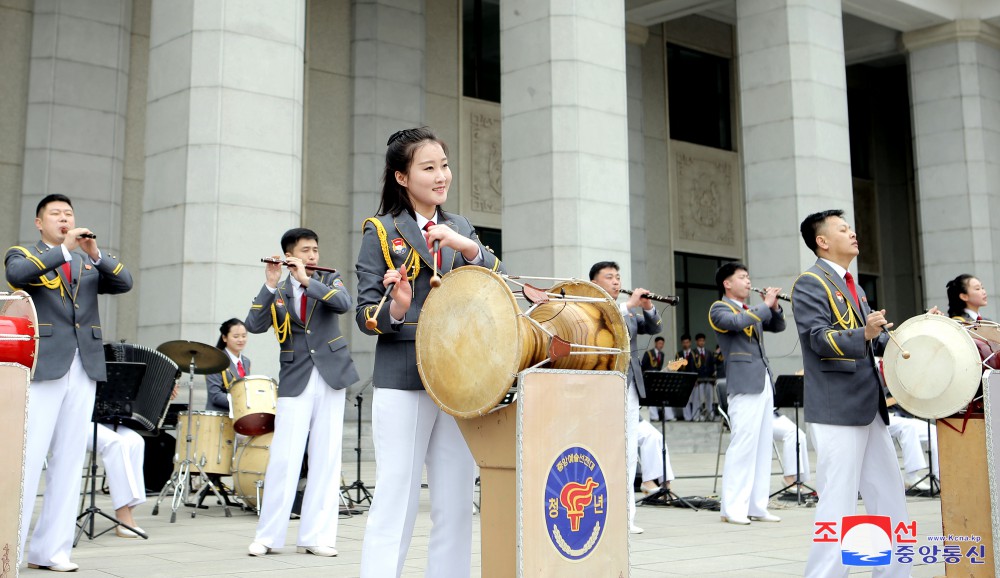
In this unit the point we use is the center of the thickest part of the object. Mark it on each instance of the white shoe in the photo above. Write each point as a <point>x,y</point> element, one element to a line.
<point>62,567</point>
<point>765,518</point>
<point>737,521</point>
<point>635,530</point>
<point>921,486</point>
<point>258,549</point>
<point>326,551</point>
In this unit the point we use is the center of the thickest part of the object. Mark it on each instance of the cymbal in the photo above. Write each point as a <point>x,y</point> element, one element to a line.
<point>207,359</point>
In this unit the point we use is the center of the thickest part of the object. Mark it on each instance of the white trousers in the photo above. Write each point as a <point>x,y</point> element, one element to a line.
<point>784,431</point>
<point>409,431</point>
<point>909,433</point>
<point>651,448</point>
<point>746,474</point>
<point>316,415</point>
<point>631,446</point>
<point>853,459</point>
<point>123,452</point>
<point>701,395</point>
<point>59,413</point>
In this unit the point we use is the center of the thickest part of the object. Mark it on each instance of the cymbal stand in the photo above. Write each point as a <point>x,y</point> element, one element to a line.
<point>180,480</point>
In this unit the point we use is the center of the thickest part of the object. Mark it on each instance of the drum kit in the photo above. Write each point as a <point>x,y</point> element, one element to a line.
<point>207,440</point>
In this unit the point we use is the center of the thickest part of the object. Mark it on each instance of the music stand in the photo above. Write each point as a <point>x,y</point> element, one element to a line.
<point>112,404</point>
<point>671,389</point>
<point>788,392</point>
<point>932,480</point>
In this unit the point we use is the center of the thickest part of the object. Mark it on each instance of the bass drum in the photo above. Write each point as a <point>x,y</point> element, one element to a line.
<point>249,466</point>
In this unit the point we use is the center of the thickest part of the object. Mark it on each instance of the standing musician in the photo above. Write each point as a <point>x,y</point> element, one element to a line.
<point>316,367</point>
<point>746,476</point>
<point>655,360</point>
<point>232,340</point>
<point>64,286</point>
<point>606,275</point>
<point>409,428</point>
<point>840,337</point>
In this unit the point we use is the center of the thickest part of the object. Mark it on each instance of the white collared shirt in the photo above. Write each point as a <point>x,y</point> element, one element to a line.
<point>972,314</point>
<point>840,270</point>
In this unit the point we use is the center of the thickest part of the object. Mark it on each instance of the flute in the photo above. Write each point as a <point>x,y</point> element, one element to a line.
<point>668,299</point>
<point>782,296</point>
<point>308,267</point>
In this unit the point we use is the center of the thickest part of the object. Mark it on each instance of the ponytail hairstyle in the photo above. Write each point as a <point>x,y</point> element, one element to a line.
<point>956,288</point>
<point>224,330</point>
<point>398,156</point>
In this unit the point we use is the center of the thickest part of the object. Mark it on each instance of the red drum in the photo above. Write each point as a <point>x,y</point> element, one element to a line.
<point>18,330</point>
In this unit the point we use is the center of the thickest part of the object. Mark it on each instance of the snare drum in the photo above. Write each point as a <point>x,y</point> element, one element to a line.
<point>255,399</point>
<point>212,440</point>
<point>249,467</point>
<point>18,330</point>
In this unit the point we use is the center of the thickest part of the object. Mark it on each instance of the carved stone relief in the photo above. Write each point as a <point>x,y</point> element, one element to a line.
<point>486,162</point>
<point>706,197</point>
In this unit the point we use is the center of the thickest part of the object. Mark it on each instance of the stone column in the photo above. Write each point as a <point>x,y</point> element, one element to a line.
<point>75,133</point>
<point>636,37</point>
<point>223,162</point>
<point>388,48</point>
<point>795,145</point>
<point>955,95</point>
<point>15,59</point>
<point>565,137</point>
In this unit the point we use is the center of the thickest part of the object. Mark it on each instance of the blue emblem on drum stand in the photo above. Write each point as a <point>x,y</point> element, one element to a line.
<point>576,499</point>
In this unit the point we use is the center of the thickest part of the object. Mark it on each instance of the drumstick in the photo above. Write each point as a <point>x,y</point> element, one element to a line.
<point>372,322</point>
<point>905,353</point>
<point>435,280</point>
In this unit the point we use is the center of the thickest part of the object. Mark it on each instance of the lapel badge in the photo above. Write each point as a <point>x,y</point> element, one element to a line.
<point>87,267</point>
<point>398,246</point>
<point>864,299</point>
<point>280,302</point>
<point>840,297</point>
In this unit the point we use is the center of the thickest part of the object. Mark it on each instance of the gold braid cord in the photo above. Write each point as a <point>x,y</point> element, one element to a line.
<point>43,281</point>
<point>412,261</point>
<point>748,329</point>
<point>280,331</point>
<point>848,321</point>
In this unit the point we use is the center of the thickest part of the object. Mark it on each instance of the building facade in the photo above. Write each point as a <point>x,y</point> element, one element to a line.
<point>668,135</point>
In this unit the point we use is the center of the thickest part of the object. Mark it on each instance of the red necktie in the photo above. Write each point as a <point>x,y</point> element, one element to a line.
<point>745,308</point>
<point>302,306</point>
<point>430,244</point>
<point>68,271</point>
<point>239,369</point>
<point>979,318</point>
<point>849,279</point>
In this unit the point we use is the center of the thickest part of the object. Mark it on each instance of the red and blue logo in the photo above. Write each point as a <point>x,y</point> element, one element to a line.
<point>866,541</point>
<point>576,500</point>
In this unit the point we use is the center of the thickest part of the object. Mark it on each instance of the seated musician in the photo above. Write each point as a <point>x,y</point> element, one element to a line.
<point>232,340</point>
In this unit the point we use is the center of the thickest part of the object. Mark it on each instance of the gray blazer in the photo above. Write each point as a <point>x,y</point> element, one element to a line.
<point>395,353</point>
<point>68,316</point>
<point>738,332</point>
<point>315,341</point>
<point>842,385</point>
<point>218,384</point>
<point>646,323</point>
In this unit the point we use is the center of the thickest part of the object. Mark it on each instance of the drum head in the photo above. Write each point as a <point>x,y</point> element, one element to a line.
<point>944,369</point>
<point>468,344</point>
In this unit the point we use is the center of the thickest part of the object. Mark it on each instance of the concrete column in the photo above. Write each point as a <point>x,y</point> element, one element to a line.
<point>955,95</point>
<point>388,49</point>
<point>636,37</point>
<point>223,162</point>
<point>795,145</point>
<point>75,133</point>
<point>565,137</point>
<point>15,59</point>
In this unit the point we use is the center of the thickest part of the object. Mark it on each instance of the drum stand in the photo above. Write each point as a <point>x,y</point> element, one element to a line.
<point>358,486</point>
<point>181,478</point>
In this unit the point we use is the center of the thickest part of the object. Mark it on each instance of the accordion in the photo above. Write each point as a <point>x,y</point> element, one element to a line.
<point>145,413</point>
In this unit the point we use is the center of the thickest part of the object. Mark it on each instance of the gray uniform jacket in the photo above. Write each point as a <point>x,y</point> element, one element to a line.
<point>738,332</point>
<point>315,341</point>
<point>219,383</point>
<point>403,242</point>
<point>68,316</point>
<point>646,323</point>
<point>842,385</point>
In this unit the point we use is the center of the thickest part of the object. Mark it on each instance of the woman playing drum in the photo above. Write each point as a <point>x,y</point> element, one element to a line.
<point>232,340</point>
<point>409,428</point>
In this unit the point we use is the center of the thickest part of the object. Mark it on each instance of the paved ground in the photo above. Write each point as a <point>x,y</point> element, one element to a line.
<point>676,542</point>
